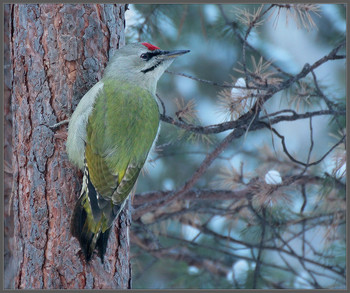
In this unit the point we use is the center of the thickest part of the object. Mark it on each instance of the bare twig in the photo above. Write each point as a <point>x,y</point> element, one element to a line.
<point>190,183</point>
<point>260,250</point>
<point>55,126</point>
<point>200,79</point>
<point>310,149</point>
<point>328,102</point>
<point>297,161</point>
<point>162,103</point>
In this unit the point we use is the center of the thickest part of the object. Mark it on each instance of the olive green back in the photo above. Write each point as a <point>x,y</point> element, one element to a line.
<point>120,133</point>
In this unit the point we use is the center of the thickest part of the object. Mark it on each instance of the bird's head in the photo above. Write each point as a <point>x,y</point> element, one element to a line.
<point>141,63</point>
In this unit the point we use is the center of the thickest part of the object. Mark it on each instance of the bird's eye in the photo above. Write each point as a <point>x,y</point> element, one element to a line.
<point>144,56</point>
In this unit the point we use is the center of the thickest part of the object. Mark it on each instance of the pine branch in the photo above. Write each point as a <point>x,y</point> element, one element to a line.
<point>234,27</point>
<point>244,120</point>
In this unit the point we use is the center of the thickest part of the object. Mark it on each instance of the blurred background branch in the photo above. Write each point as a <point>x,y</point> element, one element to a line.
<point>232,206</point>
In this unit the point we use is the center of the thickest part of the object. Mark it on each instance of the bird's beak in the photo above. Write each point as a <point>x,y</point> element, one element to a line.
<point>172,54</point>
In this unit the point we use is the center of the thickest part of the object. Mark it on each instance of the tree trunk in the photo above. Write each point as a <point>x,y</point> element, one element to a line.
<point>58,52</point>
<point>8,219</point>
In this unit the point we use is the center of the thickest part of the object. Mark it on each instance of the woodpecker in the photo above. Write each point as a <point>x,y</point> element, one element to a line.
<point>110,135</point>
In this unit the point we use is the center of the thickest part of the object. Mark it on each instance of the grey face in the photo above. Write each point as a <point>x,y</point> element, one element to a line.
<point>138,64</point>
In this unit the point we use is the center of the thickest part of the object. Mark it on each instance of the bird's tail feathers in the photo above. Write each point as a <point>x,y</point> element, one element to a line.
<point>91,220</point>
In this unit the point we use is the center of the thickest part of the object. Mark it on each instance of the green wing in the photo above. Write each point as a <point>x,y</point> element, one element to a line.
<point>120,133</point>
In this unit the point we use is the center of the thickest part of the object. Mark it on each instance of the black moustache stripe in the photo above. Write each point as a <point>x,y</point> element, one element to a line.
<point>152,67</point>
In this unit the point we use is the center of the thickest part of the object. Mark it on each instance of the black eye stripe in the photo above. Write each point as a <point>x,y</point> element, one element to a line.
<point>149,55</point>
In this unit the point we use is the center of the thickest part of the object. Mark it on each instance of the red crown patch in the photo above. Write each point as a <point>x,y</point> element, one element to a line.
<point>150,46</point>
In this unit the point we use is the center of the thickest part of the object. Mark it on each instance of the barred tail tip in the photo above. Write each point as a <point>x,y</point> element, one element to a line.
<point>88,240</point>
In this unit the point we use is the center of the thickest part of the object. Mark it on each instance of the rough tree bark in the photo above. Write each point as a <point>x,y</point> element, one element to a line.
<point>8,219</point>
<point>57,53</point>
